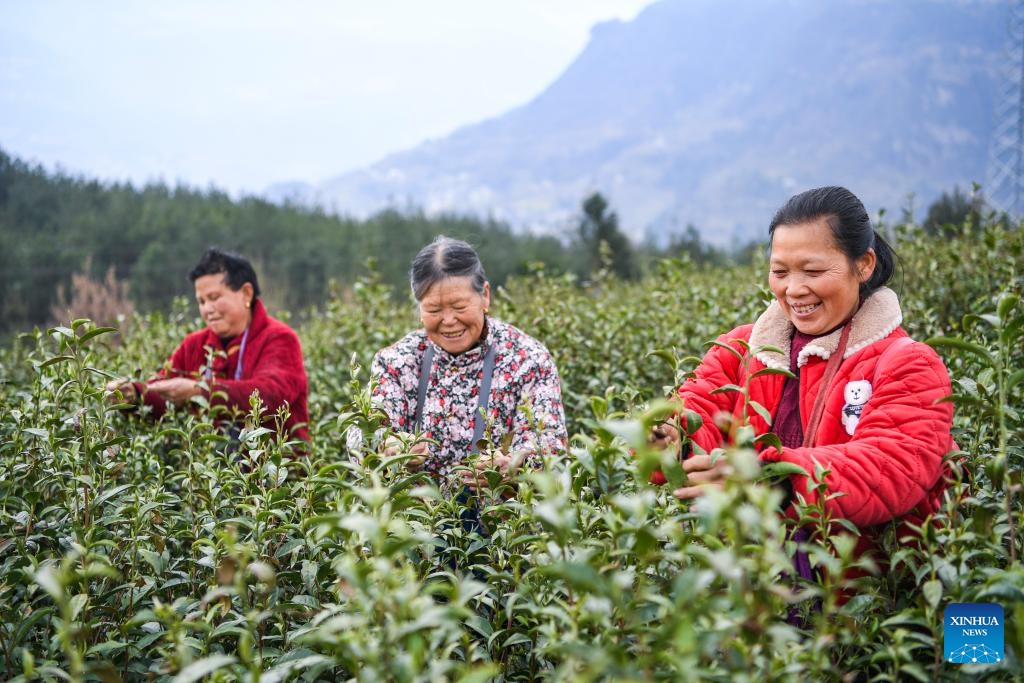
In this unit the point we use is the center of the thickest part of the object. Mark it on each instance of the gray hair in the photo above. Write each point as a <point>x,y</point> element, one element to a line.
<point>443,258</point>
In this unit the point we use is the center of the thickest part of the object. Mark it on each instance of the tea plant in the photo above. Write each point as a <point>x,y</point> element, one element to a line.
<point>133,549</point>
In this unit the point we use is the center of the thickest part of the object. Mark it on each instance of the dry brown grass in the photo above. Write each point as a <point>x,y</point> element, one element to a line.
<point>105,302</point>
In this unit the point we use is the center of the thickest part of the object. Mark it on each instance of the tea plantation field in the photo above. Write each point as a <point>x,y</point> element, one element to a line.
<point>134,551</point>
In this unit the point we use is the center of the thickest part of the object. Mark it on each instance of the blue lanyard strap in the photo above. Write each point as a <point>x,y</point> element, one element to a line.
<point>208,373</point>
<point>241,353</point>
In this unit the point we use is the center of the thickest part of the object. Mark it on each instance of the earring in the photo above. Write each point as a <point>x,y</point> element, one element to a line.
<point>248,304</point>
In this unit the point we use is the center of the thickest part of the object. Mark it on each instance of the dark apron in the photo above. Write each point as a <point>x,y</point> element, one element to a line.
<point>470,514</point>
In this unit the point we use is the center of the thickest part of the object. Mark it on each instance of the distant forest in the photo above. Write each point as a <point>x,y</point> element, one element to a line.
<point>60,233</point>
<point>98,249</point>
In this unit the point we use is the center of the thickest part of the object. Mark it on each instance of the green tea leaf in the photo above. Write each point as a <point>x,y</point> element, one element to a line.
<point>204,667</point>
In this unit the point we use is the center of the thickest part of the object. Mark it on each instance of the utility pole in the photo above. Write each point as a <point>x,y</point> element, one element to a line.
<point>1004,188</point>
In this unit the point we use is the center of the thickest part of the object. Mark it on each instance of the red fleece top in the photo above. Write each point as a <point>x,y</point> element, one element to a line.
<point>272,365</point>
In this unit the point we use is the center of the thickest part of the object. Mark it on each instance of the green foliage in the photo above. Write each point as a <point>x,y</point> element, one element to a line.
<point>953,211</point>
<point>602,243</point>
<point>133,247</point>
<point>157,551</point>
<point>689,244</point>
<point>52,225</point>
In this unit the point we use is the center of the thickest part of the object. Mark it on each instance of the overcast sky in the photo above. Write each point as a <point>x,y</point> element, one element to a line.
<point>244,93</point>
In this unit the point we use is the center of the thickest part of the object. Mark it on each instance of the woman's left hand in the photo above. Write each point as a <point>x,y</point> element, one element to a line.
<point>177,390</point>
<point>476,478</point>
<point>701,472</point>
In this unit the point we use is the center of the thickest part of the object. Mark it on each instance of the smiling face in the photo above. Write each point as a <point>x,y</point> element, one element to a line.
<point>225,311</point>
<point>453,313</point>
<point>816,284</point>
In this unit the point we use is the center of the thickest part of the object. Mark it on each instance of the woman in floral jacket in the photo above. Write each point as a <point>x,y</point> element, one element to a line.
<point>437,381</point>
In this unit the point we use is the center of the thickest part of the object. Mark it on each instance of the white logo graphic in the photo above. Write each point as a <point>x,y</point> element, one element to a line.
<point>856,394</point>
<point>971,654</point>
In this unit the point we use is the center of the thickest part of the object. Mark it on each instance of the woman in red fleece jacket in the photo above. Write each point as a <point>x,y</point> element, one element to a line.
<point>241,351</point>
<point>866,402</point>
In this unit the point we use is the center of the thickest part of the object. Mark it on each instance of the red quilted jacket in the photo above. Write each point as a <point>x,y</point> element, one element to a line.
<point>272,365</point>
<point>891,468</point>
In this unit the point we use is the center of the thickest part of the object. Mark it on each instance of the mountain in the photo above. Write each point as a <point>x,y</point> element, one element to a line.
<point>713,112</point>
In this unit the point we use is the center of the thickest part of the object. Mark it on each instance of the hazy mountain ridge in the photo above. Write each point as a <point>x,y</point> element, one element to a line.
<point>712,113</point>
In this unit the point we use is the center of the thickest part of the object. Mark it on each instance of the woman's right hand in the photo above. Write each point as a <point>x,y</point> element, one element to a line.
<point>664,435</point>
<point>395,445</point>
<point>121,391</point>
<point>420,449</point>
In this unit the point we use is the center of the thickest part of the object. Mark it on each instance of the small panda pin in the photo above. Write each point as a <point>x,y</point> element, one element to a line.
<point>856,394</point>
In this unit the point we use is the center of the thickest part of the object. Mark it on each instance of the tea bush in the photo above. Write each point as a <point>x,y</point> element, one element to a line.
<point>132,550</point>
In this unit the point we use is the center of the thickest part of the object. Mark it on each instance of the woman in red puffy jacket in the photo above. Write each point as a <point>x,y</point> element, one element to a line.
<point>865,402</point>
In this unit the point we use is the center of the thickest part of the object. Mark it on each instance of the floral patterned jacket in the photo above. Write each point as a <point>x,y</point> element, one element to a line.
<point>525,398</point>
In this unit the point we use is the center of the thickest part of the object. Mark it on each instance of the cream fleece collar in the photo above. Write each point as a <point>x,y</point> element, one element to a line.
<point>878,316</point>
